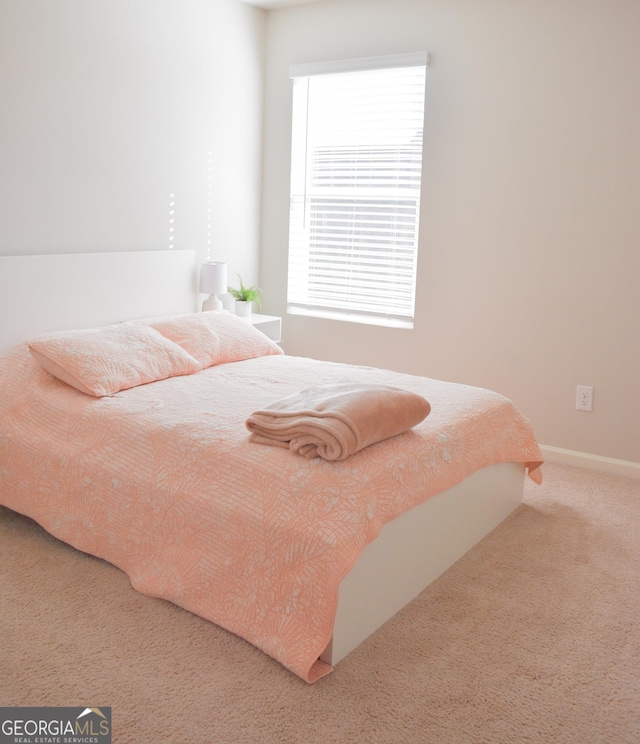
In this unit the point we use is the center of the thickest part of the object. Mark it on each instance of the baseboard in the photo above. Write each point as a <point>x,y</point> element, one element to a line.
<point>625,468</point>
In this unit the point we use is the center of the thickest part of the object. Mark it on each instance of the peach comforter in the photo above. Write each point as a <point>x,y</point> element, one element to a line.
<point>162,481</point>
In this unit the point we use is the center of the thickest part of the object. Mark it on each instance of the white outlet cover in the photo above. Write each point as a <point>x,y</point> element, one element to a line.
<point>584,398</point>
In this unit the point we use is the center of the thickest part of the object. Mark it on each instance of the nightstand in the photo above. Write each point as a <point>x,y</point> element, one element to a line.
<point>270,325</point>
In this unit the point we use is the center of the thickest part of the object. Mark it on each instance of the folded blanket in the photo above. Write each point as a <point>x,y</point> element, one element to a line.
<point>333,421</point>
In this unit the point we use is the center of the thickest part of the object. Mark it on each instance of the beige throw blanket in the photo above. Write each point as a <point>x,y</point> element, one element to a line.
<point>335,420</point>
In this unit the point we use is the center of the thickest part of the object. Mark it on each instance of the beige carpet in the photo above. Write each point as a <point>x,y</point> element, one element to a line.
<point>532,637</point>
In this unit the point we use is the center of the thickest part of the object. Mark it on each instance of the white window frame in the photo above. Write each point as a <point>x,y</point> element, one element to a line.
<point>341,222</point>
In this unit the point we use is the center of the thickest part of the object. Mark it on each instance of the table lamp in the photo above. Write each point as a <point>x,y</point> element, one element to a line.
<point>213,281</point>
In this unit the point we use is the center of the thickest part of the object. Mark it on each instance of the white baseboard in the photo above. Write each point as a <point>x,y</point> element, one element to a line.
<point>625,468</point>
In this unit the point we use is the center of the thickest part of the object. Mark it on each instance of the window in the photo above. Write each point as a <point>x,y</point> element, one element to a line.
<point>356,164</point>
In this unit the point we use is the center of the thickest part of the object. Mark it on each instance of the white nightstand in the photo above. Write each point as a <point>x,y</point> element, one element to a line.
<point>270,325</point>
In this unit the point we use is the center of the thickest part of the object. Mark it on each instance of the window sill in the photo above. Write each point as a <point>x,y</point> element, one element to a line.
<point>347,317</point>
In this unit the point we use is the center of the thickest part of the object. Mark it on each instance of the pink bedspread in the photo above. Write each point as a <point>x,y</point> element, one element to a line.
<point>162,481</point>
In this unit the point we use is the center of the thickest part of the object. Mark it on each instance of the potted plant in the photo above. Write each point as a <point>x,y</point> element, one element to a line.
<point>244,297</point>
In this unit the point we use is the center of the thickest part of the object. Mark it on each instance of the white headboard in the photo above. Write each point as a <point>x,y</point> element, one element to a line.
<point>39,294</point>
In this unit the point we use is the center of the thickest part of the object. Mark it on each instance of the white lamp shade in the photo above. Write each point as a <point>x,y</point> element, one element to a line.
<point>213,277</point>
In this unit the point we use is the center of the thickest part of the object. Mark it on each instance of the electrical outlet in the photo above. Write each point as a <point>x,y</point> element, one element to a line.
<point>584,398</point>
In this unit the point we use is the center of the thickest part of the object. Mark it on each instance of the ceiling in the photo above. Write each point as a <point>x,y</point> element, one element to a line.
<point>270,4</point>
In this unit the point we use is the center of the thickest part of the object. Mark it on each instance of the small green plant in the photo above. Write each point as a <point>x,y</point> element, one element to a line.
<point>246,294</point>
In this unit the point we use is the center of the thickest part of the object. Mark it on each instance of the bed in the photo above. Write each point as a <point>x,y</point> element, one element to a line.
<point>303,558</point>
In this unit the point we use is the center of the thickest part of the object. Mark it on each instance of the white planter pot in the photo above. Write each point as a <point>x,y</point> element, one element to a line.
<point>243,309</point>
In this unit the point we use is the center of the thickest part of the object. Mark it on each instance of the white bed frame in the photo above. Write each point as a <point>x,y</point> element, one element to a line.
<point>46,293</point>
<point>39,294</point>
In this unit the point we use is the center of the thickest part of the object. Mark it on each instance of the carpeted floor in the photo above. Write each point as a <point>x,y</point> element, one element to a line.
<point>534,636</point>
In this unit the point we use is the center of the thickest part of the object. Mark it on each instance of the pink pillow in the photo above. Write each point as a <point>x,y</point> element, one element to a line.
<point>215,337</point>
<point>102,361</point>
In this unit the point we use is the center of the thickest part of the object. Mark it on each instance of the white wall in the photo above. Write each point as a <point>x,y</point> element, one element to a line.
<point>529,268</point>
<point>107,107</point>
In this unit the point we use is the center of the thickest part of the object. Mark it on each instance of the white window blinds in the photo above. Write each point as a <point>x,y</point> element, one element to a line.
<point>355,189</point>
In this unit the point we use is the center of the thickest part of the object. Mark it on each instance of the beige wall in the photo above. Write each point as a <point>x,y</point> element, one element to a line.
<point>529,267</point>
<point>107,107</point>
